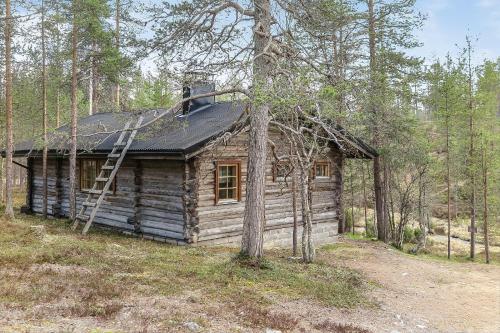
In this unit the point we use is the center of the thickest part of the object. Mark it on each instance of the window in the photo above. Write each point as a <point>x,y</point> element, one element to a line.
<point>322,170</point>
<point>89,170</point>
<point>282,172</point>
<point>227,182</point>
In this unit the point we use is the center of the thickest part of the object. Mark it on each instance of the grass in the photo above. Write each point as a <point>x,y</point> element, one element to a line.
<point>44,262</point>
<point>358,236</point>
<point>437,248</point>
<point>460,253</point>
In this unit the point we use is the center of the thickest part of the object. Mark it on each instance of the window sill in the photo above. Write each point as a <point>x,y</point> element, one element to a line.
<point>227,202</point>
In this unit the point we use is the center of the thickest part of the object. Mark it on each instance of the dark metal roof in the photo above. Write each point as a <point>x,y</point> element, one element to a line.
<point>173,133</point>
<point>170,134</point>
<point>357,147</point>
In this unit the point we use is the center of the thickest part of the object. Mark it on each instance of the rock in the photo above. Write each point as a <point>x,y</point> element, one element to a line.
<point>193,299</point>
<point>192,326</point>
<point>269,330</point>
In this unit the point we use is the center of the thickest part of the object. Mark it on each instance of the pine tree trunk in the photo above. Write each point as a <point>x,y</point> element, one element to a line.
<point>295,218</point>
<point>91,92</point>
<point>448,179</point>
<point>473,193</point>
<point>364,198</point>
<point>2,188</point>
<point>254,217</point>
<point>471,161</point>
<point>377,170</point>
<point>421,214</point>
<point>389,208</point>
<point>485,209</point>
<point>117,36</point>
<point>93,81</point>
<point>58,108</point>
<point>339,201</point>
<point>44,121</point>
<point>9,208</point>
<point>352,200</point>
<point>308,252</point>
<point>74,114</point>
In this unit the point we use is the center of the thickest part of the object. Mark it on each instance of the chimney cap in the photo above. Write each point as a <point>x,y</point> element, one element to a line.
<point>198,76</point>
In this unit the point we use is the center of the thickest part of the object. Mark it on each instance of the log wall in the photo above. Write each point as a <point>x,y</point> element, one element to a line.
<point>174,201</point>
<point>222,223</point>
<point>148,198</point>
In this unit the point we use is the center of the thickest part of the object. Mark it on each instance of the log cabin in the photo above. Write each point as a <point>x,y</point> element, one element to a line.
<point>182,179</point>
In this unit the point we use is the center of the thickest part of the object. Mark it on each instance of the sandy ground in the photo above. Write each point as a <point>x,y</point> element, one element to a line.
<point>423,295</point>
<point>407,293</point>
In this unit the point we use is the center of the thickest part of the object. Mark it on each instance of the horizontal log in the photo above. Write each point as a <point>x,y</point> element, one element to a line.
<point>168,215</point>
<point>174,227</point>
<point>162,233</point>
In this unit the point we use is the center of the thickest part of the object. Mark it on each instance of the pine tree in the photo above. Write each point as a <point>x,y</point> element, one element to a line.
<point>74,110</point>
<point>44,112</point>
<point>390,27</point>
<point>472,149</point>
<point>488,103</point>
<point>9,208</point>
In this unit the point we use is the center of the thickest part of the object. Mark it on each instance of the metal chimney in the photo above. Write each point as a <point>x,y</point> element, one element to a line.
<point>197,83</point>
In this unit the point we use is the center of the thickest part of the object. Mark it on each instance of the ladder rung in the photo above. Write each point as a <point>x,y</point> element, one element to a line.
<point>89,204</point>
<point>95,191</point>
<point>102,176</point>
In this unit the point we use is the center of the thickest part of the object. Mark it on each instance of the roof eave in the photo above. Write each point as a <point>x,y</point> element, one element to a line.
<point>103,153</point>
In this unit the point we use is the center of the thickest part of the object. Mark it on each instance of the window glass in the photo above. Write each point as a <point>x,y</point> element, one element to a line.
<point>90,170</point>
<point>228,182</point>
<point>88,174</point>
<point>322,169</point>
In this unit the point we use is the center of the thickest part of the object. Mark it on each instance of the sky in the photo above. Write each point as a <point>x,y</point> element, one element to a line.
<point>449,21</point>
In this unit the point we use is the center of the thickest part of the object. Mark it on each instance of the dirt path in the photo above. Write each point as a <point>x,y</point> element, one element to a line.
<point>422,295</point>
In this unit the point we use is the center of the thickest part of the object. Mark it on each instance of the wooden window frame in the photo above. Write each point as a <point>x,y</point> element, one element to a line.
<point>218,164</point>
<point>329,166</point>
<point>98,171</point>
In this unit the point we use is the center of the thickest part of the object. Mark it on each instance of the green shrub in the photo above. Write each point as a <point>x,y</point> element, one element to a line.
<point>408,235</point>
<point>348,219</point>
<point>418,233</point>
<point>371,231</point>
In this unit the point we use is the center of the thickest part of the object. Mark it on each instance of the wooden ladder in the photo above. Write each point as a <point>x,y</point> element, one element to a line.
<point>108,172</point>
